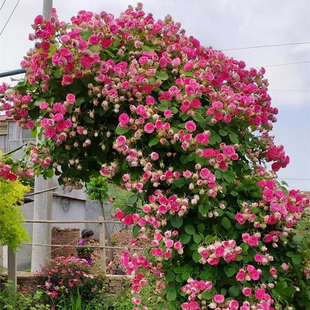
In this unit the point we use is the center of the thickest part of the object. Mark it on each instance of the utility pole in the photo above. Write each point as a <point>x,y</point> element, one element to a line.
<point>43,204</point>
<point>47,8</point>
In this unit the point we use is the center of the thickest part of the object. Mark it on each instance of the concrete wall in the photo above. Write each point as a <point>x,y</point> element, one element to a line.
<point>24,253</point>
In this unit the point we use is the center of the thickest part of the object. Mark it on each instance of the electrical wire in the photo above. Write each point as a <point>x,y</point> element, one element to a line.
<point>9,17</point>
<point>287,64</point>
<point>292,90</point>
<point>262,46</point>
<point>2,5</point>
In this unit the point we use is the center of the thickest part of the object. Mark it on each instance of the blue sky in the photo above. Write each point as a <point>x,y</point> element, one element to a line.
<point>222,24</point>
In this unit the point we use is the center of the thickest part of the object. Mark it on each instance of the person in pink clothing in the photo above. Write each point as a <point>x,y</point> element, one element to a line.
<point>87,235</point>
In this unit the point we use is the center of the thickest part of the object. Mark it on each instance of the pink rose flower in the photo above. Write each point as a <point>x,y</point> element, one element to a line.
<point>154,156</point>
<point>43,105</point>
<point>123,119</point>
<point>70,98</point>
<point>93,39</point>
<point>119,214</point>
<point>66,80</point>
<point>149,128</point>
<point>128,220</point>
<point>246,291</point>
<point>187,174</point>
<point>190,126</point>
<point>219,298</point>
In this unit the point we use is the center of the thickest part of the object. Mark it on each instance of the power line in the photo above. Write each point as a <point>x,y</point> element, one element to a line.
<point>263,46</point>
<point>301,90</point>
<point>287,64</point>
<point>2,5</point>
<point>9,17</point>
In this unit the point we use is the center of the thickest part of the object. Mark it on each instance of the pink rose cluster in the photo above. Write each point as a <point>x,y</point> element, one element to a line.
<point>136,262</point>
<point>279,210</point>
<point>213,253</point>
<point>193,288</point>
<point>6,173</point>
<point>248,274</point>
<point>163,245</point>
<point>263,299</point>
<point>276,154</point>
<point>217,159</point>
<point>251,240</point>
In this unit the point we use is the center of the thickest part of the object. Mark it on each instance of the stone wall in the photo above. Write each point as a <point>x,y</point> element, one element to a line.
<point>116,283</point>
<point>64,236</point>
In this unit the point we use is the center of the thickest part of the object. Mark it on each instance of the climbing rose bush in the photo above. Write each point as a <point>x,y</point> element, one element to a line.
<point>186,130</point>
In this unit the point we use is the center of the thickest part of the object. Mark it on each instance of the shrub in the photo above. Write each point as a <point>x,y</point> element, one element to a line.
<point>12,192</point>
<point>11,300</point>
<point>64,277</point>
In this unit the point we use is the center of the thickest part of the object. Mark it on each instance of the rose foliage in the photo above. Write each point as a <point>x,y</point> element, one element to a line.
<point>186,130</point>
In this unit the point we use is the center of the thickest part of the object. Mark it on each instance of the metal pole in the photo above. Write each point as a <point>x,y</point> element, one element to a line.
<point>43,204</point>
<point>47,9</point>
<point>12,72</point>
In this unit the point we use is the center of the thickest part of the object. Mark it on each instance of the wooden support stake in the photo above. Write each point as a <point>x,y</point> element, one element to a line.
<point>12,268</point>
<point>103,254</point>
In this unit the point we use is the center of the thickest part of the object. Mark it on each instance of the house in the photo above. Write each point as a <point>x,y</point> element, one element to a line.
<point>12,136</point>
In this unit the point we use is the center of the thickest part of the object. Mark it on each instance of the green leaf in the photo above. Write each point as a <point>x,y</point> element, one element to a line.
<point>206,295</point>
<point>298,239</point>
<point>197,238</point>
<point>234,291</point>
<point>94,48</point>
<point>201,227</point>
<point>230,272</point>
<point>218,174</point>
<point>234,193</point>
<point>176,221</point>
<point>153,141</point>
<point>162,75</point>
<point>148,48</point>
<point>185,239</point>
<point>85,34</point>
<point>208,239</point>
<point>223,132</point>
<point>170,276</point>
<point>171,293</point>
<point>296,259</point>
<point>33,132</point>
<point>132,199</point>
<point>233,138</point>
<point>226,223</point>
<point>229,176</point>
<point>109,53</point>
<point>122,130</point>
<point>49,173</point>
<point>203,209</point>
<point>57,73</point>
<point>190,229</point>
<point>88,119</point>
<point>288,291</point>
<point>79,101</point>
<point>196,257</point>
